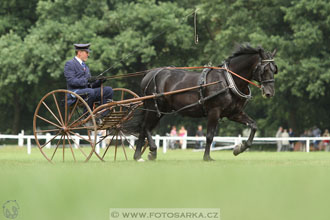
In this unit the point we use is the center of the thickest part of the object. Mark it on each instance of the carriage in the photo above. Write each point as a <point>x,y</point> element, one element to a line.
<point>74,125</point>
<point>166,90</point>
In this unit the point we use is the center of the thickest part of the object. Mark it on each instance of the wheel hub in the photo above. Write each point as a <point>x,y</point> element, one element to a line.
<point>65,129</point>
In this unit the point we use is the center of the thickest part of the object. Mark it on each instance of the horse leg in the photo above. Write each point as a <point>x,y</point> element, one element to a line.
<point>151,119</point>
<point>212,123</point>
<point>244,119</point>
<point>140,142</point>
<point>152,147</point>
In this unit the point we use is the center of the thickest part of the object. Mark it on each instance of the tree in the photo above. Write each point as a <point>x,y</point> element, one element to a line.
<point>129,43</point>
<point>17,16</point>
<point>304,70</point>
<point>298,29</point>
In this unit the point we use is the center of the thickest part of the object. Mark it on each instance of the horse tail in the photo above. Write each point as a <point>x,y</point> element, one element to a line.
<point>133,126</point>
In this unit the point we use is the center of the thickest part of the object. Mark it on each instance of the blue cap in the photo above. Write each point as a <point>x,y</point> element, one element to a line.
<point>82,47</point>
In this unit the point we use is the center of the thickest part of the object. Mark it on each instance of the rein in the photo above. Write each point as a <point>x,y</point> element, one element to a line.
<point>217,68</point>
<point>183,68</point>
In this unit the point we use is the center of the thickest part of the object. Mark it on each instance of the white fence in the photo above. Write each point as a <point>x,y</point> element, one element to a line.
<point>165,140</point>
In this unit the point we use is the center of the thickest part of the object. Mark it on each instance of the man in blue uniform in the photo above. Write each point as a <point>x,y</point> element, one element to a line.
<point>79,79</point>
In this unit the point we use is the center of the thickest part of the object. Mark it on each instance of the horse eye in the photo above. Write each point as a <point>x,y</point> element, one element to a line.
<point>273,68</point>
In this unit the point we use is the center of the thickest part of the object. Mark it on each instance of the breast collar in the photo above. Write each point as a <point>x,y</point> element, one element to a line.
<point>233,87</point>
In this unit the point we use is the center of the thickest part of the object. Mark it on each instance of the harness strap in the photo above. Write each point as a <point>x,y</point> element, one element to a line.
<point>204,99</point>
<point>233,87</point>
<point>202,81</point>
<point>191,105</point>
<point>155,90</point>
<point>153,78</point>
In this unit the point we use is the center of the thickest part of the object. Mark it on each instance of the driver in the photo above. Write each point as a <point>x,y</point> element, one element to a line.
<point>80,81</point>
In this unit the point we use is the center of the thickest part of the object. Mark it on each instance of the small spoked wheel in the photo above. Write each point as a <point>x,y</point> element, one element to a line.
<point>64,127</point>
<point>116,130</point>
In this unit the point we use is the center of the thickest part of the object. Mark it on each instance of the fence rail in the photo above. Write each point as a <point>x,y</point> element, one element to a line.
<point>166,140</point>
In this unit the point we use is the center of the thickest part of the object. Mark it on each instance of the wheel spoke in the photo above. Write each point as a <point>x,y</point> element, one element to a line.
<point>65,110</point>
<point>77,145</point>
<point>115,157</point>
<point>58,108</point>
<point>44,131</point>
<point>74,158</point>
<point>63,146</point>
<point>73,109</point>
<point>127,140</point>
<point>108,147</point>
<point>104,137</point>
<point>56,147</point>
<point>81,116</point>
<point>49,140</point>
<point>81,137</point>
<point>122,144</point>
<point>145,147</point>
<point>51,112</point>
<point>80,128</point>
<point>50,122</point>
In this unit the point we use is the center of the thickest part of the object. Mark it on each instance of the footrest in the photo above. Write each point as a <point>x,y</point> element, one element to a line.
<point>113,119</point>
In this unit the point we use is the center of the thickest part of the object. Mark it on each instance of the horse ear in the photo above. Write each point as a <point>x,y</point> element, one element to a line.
<point>262,52</point>
<point>274,52</point>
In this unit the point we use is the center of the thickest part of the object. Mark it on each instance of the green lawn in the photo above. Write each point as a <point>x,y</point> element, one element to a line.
<point>254,185</point>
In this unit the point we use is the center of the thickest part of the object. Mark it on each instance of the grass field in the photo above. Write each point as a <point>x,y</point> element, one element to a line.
<point>254,185</point>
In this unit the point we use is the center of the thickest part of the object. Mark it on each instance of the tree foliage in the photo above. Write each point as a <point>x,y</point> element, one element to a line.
<point>37,37</point>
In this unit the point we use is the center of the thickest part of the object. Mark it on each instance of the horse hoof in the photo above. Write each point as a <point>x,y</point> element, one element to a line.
<point>152,156</point>
<point>208,158</point>
<point>140,160</point>
<point>137,155</point>
<point>238,149</point>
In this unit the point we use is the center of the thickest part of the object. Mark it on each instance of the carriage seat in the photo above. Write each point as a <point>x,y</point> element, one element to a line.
<point>72,100</point>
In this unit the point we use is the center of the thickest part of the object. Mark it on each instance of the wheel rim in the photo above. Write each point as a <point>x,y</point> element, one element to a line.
<point>67,125</point>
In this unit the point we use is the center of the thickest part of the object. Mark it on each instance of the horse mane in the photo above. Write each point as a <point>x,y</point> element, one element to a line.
<point>243,49</point>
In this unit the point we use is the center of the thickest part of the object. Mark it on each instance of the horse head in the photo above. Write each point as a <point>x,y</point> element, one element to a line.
<point>264,73</point>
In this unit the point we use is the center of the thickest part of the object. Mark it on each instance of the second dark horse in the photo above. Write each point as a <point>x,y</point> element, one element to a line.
<point>224,99</point>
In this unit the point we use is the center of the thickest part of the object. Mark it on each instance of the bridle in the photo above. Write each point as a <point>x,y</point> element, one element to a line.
<point>260,69</point>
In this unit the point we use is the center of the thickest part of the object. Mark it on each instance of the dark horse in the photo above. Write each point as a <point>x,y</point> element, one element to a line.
<point>224,99</point>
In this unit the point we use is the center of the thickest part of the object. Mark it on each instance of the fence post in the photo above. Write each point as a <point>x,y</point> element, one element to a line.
<point>48,137</point>
<point>131,141</point>
<point>184,142</point>
<point>307,145</point>
<point>157,140</point>
<point>21,139</point>
<point>97,147</point>
<point>164,145</point>
<point>29,146</point>
<point>76,141</point>
<point>103,143</point>
<point>237,140</point>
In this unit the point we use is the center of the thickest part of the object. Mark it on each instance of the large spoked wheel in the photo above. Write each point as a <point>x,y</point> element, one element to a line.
<point>116,133</point>
<point>64,127</point>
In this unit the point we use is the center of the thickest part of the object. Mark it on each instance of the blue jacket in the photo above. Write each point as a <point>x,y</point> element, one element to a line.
<point>77,77</point>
